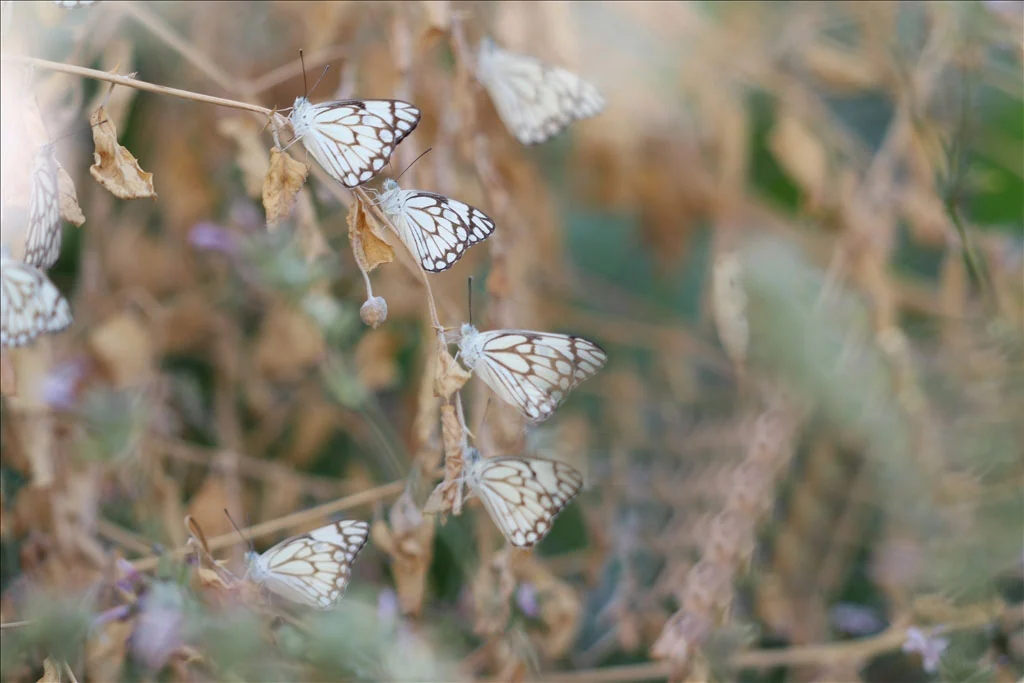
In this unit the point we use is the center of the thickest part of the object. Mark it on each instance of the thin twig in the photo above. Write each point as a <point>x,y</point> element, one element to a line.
<point>288,521</point>
<point>15,624</point>
<point>134,83</point>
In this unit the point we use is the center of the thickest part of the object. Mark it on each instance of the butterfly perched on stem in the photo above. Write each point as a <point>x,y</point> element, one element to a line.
<point>523,495</point>
<point>312,569</point>
<point>43,239</point>
<point>352,139</point>
<point>534,371</point>
<point>435,228</point>
<point>535,101</point>
<point>30,305</point>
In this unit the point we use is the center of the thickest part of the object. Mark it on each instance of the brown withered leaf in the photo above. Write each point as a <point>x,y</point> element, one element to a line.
<point>729,305</point>
<point>450,375</point>
<point>409,541</point>
<point>106,649</point>
<point>368,247</point>
<point>800,152</point>
<point>8,377</point>
<point>281,186</point>
<point>69,208</point>
<point>51,671</point>
<point>115,168</point>
<point>123,346</point>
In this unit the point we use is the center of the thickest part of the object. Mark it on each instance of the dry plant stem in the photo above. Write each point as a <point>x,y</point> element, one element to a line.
<point>288,521</point>
<point>379,215</point>
<point>134,83</point>
<point>810,655</point>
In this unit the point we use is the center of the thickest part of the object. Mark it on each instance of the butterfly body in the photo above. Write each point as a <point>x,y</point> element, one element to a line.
<point>352,139</point>
<point>522,495</point>
<point>535,101</point>
<point>533,371</point>
<point>435,228</point>
<point>312,569</point>
<point>43,239</point>
<point>30,305</point>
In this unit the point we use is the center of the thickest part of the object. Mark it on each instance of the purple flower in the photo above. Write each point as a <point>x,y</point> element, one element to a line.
<point>387,606</point>
<point>526,600</point>
<point>211,237</point>
<point>60,385</point>
<point>159,628</point>
<point>856,620</point>
<point>930,647</point>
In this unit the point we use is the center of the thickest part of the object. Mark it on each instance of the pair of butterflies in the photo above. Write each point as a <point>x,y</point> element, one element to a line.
<point>522,495</point>
<point>354,139</point>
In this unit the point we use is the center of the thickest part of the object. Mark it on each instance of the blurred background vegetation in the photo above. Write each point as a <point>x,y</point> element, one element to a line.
<point>797,229</point>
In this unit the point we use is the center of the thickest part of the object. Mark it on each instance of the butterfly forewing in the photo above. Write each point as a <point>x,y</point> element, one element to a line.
<point>312,569</point>
<point>522,495</point>
<point>42,242</point>
<point>353,139</point>
<point>30,305</point>
<point>535,101</point>
<point>533,371</point>
<point>435,228</point>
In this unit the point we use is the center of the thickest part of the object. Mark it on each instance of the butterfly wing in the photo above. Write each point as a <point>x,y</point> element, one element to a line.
<point>354,139</point>
<point>42,245</point>
<point>438,229</point>
<point>524,495</point>
<point>313,569</point>
<point>534,100</point>
<point>534,371</point>
<point>30,305</point>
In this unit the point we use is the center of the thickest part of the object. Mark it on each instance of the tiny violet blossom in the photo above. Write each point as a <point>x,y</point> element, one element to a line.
<point>929,646</point>
<point>60,385</point>
<point>211,237</point>
<point>526,600</point>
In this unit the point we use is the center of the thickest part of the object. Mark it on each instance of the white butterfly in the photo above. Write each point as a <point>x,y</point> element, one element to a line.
<point>436,229</point>
<point>30,305</point>
<point>534,100</point>
<point>42,245</point>
<point>522,495</point>
<point>312,569</point>
<point>533,371</point>
<point>352,139</point>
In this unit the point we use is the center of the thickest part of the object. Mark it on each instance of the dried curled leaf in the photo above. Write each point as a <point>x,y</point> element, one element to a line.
<point>409,541</point>
<point>69,208</point>
<point>51,671</point>
<point>115,168</point>
<point>450,375</point>
<point>368,246</point>
<point>281,186</point>
<point>800,152</point>
<point>447,496</point>
<point>729,303</point>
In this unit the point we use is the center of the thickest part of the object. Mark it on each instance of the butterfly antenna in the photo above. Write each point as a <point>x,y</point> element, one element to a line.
<point>414,161</point>
<point>252,546</point>
<point>319,79</point>
<point>470,287</point>
<point>302,61</point>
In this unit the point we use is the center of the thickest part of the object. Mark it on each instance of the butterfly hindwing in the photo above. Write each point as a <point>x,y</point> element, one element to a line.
<point>353,139</point>
<point>30,305</point>
<point>312,569</point>
<point>533,371</point>
<point>522,495</point>
<point>43,240</point>
<point>535,101</point>
<point>435,228</point>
